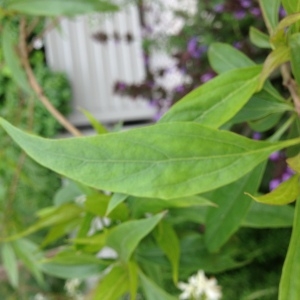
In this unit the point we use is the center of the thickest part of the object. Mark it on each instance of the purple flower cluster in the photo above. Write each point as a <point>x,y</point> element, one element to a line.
<point>239,8</point>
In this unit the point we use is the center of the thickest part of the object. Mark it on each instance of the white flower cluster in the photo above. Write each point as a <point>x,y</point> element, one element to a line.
<point>199,287</point>
<point>72,289</point>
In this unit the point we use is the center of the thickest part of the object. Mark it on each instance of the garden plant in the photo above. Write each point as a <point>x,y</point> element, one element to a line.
<point>149,210</point>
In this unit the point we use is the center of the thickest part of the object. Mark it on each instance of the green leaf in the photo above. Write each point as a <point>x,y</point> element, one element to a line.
<point>52,8</point>
<point>269,216</point>
<point>59,215</point>
<point>152,291</point>
<point>276,58</point>
<point>265,123</point>
<point>73,264</point>
<point>294,163</point>
<point>10,264</point>
<point>288,21</point>
<point>285,193</point>
<point>289,287</point>
<point>67,193</point>
<point>154,164</point>
<point>113,285</point>
<point>167,240</point>
<point>133,279</point>
<point>261,104</point>
<point>291,6</point>
<point>259,38</point>
<point>270,9</point>
<point>233,205</point>
<point>100,129</point>
<point>114,201</point>
<point>223,58</point>
<point>218,100</point>
<point>294,43</point>
<point>9,44</point>
<point>29,253</point>
<point>125,237</point>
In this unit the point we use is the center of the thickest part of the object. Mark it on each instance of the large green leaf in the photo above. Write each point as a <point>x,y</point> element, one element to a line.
<point>155,163</point>
<point>285,193</point>
<point>270,10</point>
<point>58,7</point>
<point>223,58</point>
<point>218,100</point>
<point>125,237</point>
<point>269,216</point>
<point>223,221</point>
<point>289,283</point>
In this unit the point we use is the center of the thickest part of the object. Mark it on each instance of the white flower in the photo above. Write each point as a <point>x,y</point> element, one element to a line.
<point>200,287</point>
<point>39,296</point>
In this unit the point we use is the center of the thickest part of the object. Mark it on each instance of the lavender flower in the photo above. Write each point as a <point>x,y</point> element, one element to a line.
<point>275,156</point>
<point>206,77</point>
<point>255,11</point>
<point>274,183</point>
<point>256,135</point>
<point>245,3</point>
<point>219,8</point>
<point>240,14</point>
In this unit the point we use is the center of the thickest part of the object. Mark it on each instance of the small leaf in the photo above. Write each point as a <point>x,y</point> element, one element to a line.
<point>265,123</point>
<point>218,100</point>
<point>285,193</point>
<point>114,201</point>
<point>223,58</point>
<point>10,264</point>
<point>270,9</point>
<point>67,193</point>
<point>152,291</point>
<point>125,237</point>
<point>133,279</point>
<point>288,21</point>
<point>294,43</point>
<point>9,44</point>
<point>155,163</point>
<point>167,240</point>
<point>294,163</point>
<point>259,38</point>
<point>276,58</point>
<point>233,205</point>
<point>113,285</point>
<point>289,287</point>
<point>52,8</point>
<point>100,129</point>
<point>269,216</point>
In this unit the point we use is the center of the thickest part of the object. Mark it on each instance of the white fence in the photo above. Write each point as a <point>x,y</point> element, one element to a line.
<point>93,67</point>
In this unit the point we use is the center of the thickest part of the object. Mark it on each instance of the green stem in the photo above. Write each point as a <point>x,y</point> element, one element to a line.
<point>277,135</point>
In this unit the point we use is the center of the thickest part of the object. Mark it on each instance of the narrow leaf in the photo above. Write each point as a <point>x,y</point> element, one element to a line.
<point>285,193</point>
<point>288,21</point>
<point>259,38</point>
<point>270,11</point>
<point>276,58</point>
<point>152,291</point>
<point>218,100</point>
<point>52,8</point>
<point>167,240</point>
<point>100,129</point>
<point>294,43</point>
<point>233,205</point>
<point>115,200</point>
<point>155,164</point>
<point>289,287</point>
<point>294,163</point>
<point>223,58</point>
<point>269,216</point>
<point>113,285</point>
<point>10,264</point>
<point>9,44</point>
<point>124,238</point>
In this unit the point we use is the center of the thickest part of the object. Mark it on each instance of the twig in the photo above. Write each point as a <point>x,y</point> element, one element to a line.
<point>291,85</point>
<point>35,85</point>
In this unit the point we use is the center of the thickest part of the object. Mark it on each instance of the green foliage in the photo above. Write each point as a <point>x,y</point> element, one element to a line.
<point>171,198</point>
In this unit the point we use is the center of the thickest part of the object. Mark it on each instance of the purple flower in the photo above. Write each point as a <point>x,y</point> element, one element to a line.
<point>274,183</point>
<point>275,156</point>
<point>240,14</point>
<point>285,176</point>
<point>192,47</point>
<point>245,3</point>
<point>255,11</point>
<point>179,89</point>
<point>206,77</point>
<point>219,8</point>
<point>256,135</point>
<point>282,12</point>
<point>121,86</point>
<point>288,170</point>
<point>237,45</point>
